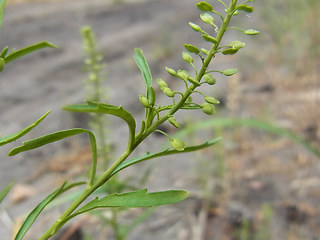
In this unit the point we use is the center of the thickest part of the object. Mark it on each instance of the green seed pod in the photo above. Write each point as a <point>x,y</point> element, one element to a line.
<point>230,51</point>
<point>209,38</point>
<point>183,74</point>
<point>195,27</point>
<point>187,57</point>
<point>171,71</point>
<point>152,93</point>
<point>207,18</point>
<point>177,144</point>
<point>245,8</point>
<point>174,122</point>
<point>144,101</point>
<point>230,71</point>
<point>2,63</point>
<point>211,100</point>
<point>237,44</point>
<point>250,32</point>
<point>208,108</point>
<point>208,78</point>
<point>167,91</point>
<point>161,83</point>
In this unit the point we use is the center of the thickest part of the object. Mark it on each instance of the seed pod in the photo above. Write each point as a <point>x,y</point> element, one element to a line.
<point>204,6</point>
<point>2,63</point>
<point>208,78</point>
<point>209,38</point>
<point>177,144</point>
<point>171,71</point>
<point>161,83</point>
<point>191,48</point>
<point>174,122</point>
<point>187,57</point>
<point>167,91</point>
<point>195,27</point>
<point>152,93</point>
<point>230,51</point>
<point>208,108</point>
<point>237,44</point>
<point>144,101</point>
<point>250,32</point>
<point>211,100</point>
<point>230,71</point>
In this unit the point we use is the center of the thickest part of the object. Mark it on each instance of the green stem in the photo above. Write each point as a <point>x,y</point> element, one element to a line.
<point>107,174</point>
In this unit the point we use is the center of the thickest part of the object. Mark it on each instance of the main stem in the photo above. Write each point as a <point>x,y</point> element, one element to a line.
<point>106,175</point>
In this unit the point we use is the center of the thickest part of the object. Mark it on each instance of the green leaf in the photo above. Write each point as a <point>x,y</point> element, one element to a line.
<point>245,8</point>
<point>4,51</point>
<point>145,70</point>
<point>134,199</point>
<point>95,107</point>
<point>15,136</point>
<point>250,32</point>
<point>39,208</point>
<point>2,7</point>
<point>19,53</point>
<point>5,191</point>
<point>229,72</point>
<point>252,123</point>
<point>46,139</point>
<point>204,6</point>
<point>166,152</point>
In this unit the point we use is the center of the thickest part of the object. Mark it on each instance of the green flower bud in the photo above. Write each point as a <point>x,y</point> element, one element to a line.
<point>161,83</point>
<point>2,63</point>
<point>204,6</point>
<point>208,78</point>
<point>250,32</point>
<point>183,74</point>
<point>211,100</point>
<point>167,91</point>
<point>195,27</point>
<point>171,71</point>
<point>230,71</point>
<point>152,93</point>
<point>144,101</point>
<point>187,57</point>
<point>191,48</point>
<point>237,44</point>
<point>207,18</point>
<point>208,108</point>
<point>174,122</point>
<point>177,144</point>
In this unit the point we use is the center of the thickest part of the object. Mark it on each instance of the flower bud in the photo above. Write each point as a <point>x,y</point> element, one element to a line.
<point>174,122</point>
<point>211,100</point>
<point>208,78</point>
<point>144,101</point>
<point>167,91</point>
<point>161,83</point>
<point>183,74</point>
<point>195,27</point>
<point>187,57</point>
<point>152,93</point>
<point>208,108</point>
<point>171,71</point>
<point>177,144</point>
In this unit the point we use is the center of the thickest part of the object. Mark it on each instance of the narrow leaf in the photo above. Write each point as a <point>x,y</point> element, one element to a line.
<point>95,107</point>
<point>2,7</point>
<point>145,70</point>
<point>5,191</point>
<point>166,152</point>
<point>4,51</point>
<point>251,123</point>
<point>134,199</point>
<point>19,53</point>
<point>39,208</point>
<point>15,136</point>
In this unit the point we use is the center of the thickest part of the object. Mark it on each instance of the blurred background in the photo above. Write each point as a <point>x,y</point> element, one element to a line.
<point>260,182</point>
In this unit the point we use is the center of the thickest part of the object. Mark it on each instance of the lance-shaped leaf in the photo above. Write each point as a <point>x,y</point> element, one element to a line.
<point>5,191</point>
<point>145,70</point>
<point>39,208</point>
<point>95,107</point>
<point>53,137</point>
<point>134,199</point>
<point>2,7</point>
<point>166,152</point>
<point>15,136</point>
<point>19,53</point>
